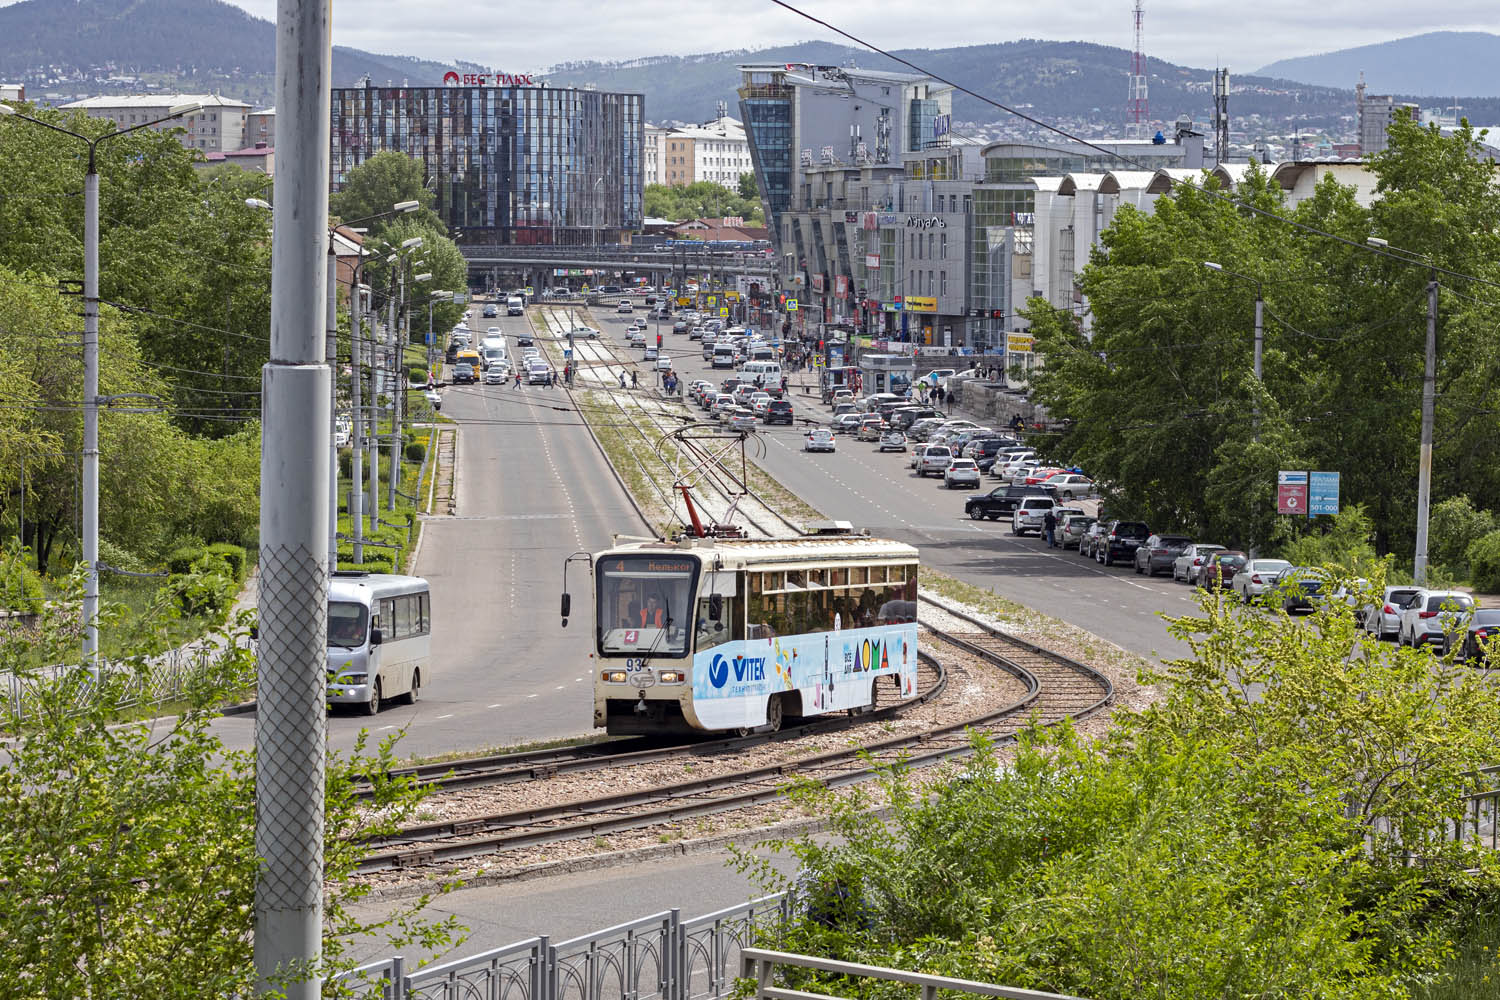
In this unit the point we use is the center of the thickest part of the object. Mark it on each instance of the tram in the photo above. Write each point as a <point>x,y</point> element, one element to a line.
<point>714,634</point>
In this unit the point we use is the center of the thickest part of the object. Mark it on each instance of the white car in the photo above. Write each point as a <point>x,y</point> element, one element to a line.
<point>1383,620</point>
<point>893,441</point>
<point>624,307</point>
<point>1433,616</point>
<point>759,402</point>
<point>496,375</point>
<point>845,423</point>
<point>663,363</point>
<point>584,331</point>
<point>1256,577</point>
<point>934,459</point>
<point>636,337</point>
<point>537,373</point>
<point>1186,566</point>
<point>1030,515</point>
<point>961,472</point>
<point>819,440</point>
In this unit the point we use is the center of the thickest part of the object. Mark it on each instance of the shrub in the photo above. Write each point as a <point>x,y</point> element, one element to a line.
<point>415,451</point>
<point>1484,562</point>
<point>20,586</point>
<point>1454,525</point>
<point>181,560</point>
<point>232,555</point>
<point>346,462</point>
<point>205,591</point>
<point>114,555</point>
<point>1345,545</point>
<point>417,374</point>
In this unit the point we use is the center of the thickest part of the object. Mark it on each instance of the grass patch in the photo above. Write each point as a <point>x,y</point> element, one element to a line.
<point>1474,969</point>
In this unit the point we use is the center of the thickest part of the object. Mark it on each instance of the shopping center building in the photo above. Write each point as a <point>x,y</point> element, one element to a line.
<point>508,164</point>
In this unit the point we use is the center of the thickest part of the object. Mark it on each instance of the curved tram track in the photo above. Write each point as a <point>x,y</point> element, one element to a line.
<point>1056,687</point>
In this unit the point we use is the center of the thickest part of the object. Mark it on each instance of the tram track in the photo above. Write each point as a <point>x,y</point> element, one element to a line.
<point>1055,687</point>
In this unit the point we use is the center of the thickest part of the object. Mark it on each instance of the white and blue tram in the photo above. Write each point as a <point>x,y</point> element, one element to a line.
<point>716,634</point>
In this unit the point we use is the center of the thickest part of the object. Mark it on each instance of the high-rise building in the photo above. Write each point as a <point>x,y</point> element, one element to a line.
<point>218,128</point>
<point>1376,112</point>
<point>509,164</point>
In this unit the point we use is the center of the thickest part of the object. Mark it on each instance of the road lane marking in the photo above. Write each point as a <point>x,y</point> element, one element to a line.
<point>448,716</point>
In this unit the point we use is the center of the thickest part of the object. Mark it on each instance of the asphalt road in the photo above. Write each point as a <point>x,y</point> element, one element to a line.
<point>532,488</point>
<point>877,491</point>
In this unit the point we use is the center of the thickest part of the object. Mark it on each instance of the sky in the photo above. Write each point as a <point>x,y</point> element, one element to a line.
<point>530,37</point>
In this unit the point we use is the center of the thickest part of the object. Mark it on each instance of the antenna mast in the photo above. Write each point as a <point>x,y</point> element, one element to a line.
<point>1136,116</point>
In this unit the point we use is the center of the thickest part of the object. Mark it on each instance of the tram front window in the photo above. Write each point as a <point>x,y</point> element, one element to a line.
<point>645,605</point>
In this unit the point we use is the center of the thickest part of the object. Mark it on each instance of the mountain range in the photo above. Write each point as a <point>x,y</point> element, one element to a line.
<point>62,49</point>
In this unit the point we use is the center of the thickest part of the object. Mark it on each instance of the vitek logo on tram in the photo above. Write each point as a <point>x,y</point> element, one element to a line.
<point>746,668</point>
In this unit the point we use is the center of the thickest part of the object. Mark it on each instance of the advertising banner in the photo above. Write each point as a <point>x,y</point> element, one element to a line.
<point>1322,493</point>
<point>1291,492</point>
<point>832,671</point>
<point>1019,343</point>
<point>921,304</point>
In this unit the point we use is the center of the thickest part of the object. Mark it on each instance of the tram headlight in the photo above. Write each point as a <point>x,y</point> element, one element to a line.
<point>672,676</point>
<point>613,676</point>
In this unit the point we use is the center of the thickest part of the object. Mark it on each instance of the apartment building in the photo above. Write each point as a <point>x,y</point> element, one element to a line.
<point>218,128</point>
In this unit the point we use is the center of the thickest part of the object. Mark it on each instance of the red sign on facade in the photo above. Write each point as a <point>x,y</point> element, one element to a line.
<point>841,285</point>
<point>451,79</point>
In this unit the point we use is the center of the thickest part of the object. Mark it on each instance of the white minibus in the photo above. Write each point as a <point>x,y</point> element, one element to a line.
<point>379,627</point>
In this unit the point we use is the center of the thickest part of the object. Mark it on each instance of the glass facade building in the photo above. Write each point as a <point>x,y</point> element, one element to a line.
<point>509,165</point>
<point>766,107</point>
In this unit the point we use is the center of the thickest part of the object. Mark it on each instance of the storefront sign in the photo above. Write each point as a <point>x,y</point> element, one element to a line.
<point>889,220</point>
<point>921,304</point>
<point>1019,343</point>
<point>841,285</point>
<point>851,218</point>
<point>872,260</point>
<point>496,79</point>
<point>872,220</point>
<point>890,307</point>
<point>817,282</point>
<point>925,222</point>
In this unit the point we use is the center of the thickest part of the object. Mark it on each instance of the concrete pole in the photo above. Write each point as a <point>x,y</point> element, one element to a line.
<point>1260,330</point>
<point>91,412</point>
<point>356,441</point>
<point>398,379</point>
<point>331,356</point>
<point>1424,462</point>
<point>291,686</point>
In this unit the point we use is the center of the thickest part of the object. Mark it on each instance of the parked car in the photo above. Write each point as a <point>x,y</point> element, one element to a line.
<point>1433,617</point>
<point>1186,566</point>
<point>1089,542</point>
<point>934,460</point>
<point>1119,543</point>
<point>1483,630</point>
<point>891,441</point>
<point>1073,528</point>
<point>778,411</point>
<point>1071,484</point>
<point>1383,620</point>
<point>1002,501</point>
<point>845,423</point>
<point>1157,553</point>
<point>961,472</point>
<point>1030,515</point>
<point>1299,588</point>
<point>1257,577</point>
<point>870,427</point>
<point>819,439</point>
<point>1219,568</point>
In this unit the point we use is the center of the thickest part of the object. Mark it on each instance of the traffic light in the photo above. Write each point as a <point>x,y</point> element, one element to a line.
<point>658,340</point>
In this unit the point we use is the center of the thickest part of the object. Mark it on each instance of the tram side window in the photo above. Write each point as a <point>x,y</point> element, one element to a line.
<point>879,595</point>
<point>728,626</point>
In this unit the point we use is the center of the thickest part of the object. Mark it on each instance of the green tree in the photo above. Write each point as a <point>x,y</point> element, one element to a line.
<point>699,200</point>
<point>383,180</point>
<point>443,260</point>
<point>749,190</point>
<point>130,863</point>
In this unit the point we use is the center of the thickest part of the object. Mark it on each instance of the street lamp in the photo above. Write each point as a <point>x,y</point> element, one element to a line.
<point>91,357</point>
<point>1429,398</point>
<point>1260,305</point>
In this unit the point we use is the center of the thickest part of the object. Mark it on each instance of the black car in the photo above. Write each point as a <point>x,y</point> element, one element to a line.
<point>524,340</point>
<point>1483,630</point>
<point>681,326</point>
<point>463,373</point>
<point>1119,542</point>
<point>1001,501</point>
<point>1158,553</point>
<point>779,411</point>
<point>490,312</point>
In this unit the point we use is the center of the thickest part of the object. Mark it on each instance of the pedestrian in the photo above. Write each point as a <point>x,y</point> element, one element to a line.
<point>635,379</point>
<point>518,378</point>
<point>622,379</point>
<point>1049,528</point>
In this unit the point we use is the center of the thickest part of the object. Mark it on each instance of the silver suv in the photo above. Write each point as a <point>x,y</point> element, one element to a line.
<point>934,460</point>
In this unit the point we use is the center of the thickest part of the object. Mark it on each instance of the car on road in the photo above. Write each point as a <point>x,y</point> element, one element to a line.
<point>722,403</point>
<point>1089,541</point>
<point>636,338</point>
<point>818,439</point>
<point>496,374</point>
<point>742,419</point>
<point>463,373</point>
<point>1119,542</point>
<point>1070,533</point>
<point>961,472</point>
<point>1383,620</point>
<point>778,411</point>
<point>624,307</point>
<point>663,363</point>
<point>870,427</point>
<point>524,339</point>
<point>1299,588</point>
<point>759,401</point>
<point>651,352</point>
<point>846,423</point>
<point>893,441</point>
<point>489,312</point>
<point>1158,552</point>
<point>1186,566</point>
<point>1219,568</point>
<point>1257,577</point>
<point>587,332</point>
<point>1433,617</point>
<point>1072,484</point>
<point>1030,515</point>
<point>1001,501</point>
<point>537,373</point>
<point>1482,632</point>
<point>934,460</point>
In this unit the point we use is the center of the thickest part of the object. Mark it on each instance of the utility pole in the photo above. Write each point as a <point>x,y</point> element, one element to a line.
<point>398,378</point>
<point>331,358</point>
<point>293,604</point>
<point>1424,461</point>
<point>356,439</point>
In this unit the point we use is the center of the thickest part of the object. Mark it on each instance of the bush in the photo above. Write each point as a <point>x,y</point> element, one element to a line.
<point>1346,544</point>
<point>180,561</point>
<point>1455,524</point>
<point>20,586</point>
<point>416,451</point>
<point>206,591</point>
<point>113,555</point>
<point>417,374</point>
<point>1484,562</point>
<point>232,555</point>
<point>346,462</point>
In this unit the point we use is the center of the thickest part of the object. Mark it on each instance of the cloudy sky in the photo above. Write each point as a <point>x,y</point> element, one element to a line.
<point>532,36</point>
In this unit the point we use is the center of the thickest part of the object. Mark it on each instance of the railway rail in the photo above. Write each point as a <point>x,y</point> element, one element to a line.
<point>1056,687</point>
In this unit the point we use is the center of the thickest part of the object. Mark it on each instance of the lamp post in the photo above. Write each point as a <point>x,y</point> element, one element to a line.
<point>1260,304</point>
<point>91,357</point>
<point>1429,401</point>
<point>398,387</point>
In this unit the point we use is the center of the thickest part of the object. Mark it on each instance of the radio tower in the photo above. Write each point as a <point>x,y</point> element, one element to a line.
<point>1136,117</point>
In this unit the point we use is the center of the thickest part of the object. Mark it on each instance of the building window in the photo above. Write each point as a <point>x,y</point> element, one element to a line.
<point>943,247</point>
<point>930,285</point>
<point>942,282</point>
<point>931,239</point>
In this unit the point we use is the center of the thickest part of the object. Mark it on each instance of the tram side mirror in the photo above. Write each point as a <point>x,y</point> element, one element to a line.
<point>375,637</point>
<point>567,607</point>
<point>716,606</point>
